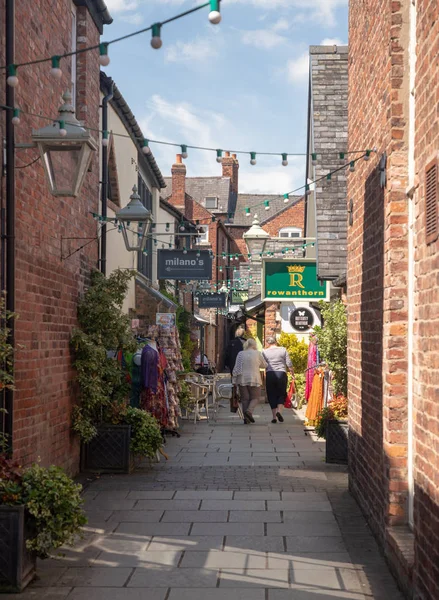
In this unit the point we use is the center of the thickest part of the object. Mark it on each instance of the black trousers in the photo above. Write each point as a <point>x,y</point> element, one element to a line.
<point>276,385</point>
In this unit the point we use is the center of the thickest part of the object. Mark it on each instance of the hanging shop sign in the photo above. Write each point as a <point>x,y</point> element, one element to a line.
<point>239,297</point>
<point>301,319</point>
<point>165,319</point>
<point>212,301</point>
<point>175,264</point>
<point>287,280</point>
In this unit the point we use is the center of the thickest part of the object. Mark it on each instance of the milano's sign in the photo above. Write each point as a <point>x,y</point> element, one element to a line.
<point>212,301</point>
<point>292,280</point>
<point>174,264</point>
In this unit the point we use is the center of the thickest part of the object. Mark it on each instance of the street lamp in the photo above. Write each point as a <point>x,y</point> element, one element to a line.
<point>256,239</point>
<point>135,221</point>
<point>65,149</point>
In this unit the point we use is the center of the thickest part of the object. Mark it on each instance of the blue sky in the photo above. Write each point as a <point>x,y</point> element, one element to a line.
<point>240,85</point>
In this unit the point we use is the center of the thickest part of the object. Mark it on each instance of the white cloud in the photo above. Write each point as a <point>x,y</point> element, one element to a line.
<point>117,6</point>
<point>332,42</point>
<point>263,38</point>
<point>298,68</point>
<point>134,19</point>
<point>281,25</point>
<point>198,50</point>
<point>322,11</point>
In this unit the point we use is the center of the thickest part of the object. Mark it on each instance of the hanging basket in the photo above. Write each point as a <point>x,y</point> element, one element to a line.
<point>109,451</point>
<point>337,442</point>
<point>17,564</point>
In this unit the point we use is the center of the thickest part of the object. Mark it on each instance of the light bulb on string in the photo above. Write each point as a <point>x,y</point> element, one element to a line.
<point>329,177</point>
<point>105,138</point>
<point>286,198</point>
<point>314,159</point>
<point>12,79</point>
<point>184,153</point>
<point>367,155</point>
<point>341,155</point>
<point>352,166</point>
<point>104,59</point>
<point>253,158</point>
<point>198,254</point>
<point>182,227</point>
<point>145,147</point>
<point>219,156</point>
<point>167,226</point>
<point>247,212</point>
<point>156,41</point>
<point>55,71</point>
<point>307,190</point>
<point>62,128</point>
<point>184,250</point>
<point>285,160</point>
<point>215,15</point>
<point>16,117</point>
<point>266,204</point>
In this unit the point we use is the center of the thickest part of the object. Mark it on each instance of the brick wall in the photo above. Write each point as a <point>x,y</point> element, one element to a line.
<point>47,287</point>
<point>426,331</point>
<point>294,216</point>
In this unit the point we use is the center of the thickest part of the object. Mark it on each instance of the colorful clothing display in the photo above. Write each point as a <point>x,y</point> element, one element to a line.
<point>315,402</point>
<point>153,395</point>
<point>313,360</point>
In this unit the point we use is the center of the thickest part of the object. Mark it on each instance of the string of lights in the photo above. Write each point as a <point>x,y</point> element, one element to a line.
<point>104,59</point>
<point>146,149</point>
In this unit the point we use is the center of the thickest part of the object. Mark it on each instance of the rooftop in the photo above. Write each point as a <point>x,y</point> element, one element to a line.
<point>276,206</point>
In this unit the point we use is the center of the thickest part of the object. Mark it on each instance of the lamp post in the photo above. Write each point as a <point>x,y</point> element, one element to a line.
<point>255,239</point>
<point>66,150</point>
<point>132,215</point>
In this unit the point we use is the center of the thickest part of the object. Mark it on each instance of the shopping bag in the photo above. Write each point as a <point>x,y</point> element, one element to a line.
<point>291,400</point>
<point>234,400</point>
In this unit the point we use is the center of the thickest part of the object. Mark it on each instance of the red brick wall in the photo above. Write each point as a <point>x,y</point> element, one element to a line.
<point>292,217</point>
<point>47,287</point>
<point>426,333</point>
<point>377,263</point>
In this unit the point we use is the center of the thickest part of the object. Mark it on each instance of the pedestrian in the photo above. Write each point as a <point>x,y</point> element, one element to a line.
<point>278,363</point>
<point>235,346</point>
<point>247,374</point>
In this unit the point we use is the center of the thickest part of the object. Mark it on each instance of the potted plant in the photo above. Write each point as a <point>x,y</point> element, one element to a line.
<point>332,424</point>
<point>40,510</point>
<point>112,433</point>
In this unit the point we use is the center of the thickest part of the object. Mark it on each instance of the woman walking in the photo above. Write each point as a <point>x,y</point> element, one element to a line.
<point>278,362</point>
<point>247,374</point>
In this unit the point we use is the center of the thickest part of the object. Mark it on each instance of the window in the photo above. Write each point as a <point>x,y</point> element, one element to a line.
<point>211,202</point>
<point>73,49</point>
<point>203,238</point>
<point>431,202</point>
<point>144,263</point>
<point>290,232</point>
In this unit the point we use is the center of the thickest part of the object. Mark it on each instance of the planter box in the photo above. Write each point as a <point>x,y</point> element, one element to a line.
<point>337,442</point>
<point>109,451</point>
<point>17,565</point>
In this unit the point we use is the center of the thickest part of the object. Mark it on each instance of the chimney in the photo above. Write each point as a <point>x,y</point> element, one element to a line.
<point>230,169</point>
<point>178,171</point>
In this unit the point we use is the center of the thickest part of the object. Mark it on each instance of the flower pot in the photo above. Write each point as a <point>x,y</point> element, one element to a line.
<point>337,441</point>
<point>109,451</point>
<point>17,565</point>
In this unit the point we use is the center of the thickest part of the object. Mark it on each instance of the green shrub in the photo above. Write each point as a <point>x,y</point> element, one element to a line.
<point>298,351</point>
<point>146,437</point>
<point>333,342</point>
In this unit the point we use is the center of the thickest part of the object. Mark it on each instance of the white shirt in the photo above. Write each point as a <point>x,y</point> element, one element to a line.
<point>247,368</point>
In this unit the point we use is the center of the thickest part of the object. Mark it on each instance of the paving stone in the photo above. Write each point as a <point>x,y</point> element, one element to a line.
<point>171,578</point>
<point>151,529</point>
<point>138,559</point>
<point>204,495</point>
<point>257,495</point>
<point>255,516</point>
<point>305,497</point>
<point>80,593</point>
<point>36,593</point>
<point>151,495</point>
<point>222,560</point>
<point>191,543</point>
<point>195,516</point>
<point>233,505</point>
<point>293,505</point>
<point>247,543</point>
<point>302,560</point>
<point>316,544</point>
<point>106,504</point>
<point>314,593</point>
<point>291,516</point>
<point>136,516</point>
<point>216,594</point>
<point>227,529</point>
<point>254,578</point>
<point>168,505</point>
<point>95,577</point>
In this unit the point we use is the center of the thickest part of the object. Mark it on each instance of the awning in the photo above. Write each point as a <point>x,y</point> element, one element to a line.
<point>202,320</point>
<point>254,304</point>
<point>156,294</point>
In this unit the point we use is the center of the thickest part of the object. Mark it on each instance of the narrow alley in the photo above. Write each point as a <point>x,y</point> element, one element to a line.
<point>238,513</point>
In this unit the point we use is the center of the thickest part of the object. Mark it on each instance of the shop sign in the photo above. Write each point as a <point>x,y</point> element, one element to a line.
<point>239,297</point>
<point>288,280</point>
<point>301,319</point>
<point>165,319</point>
<point>212,301</point>
<point>175,264</point>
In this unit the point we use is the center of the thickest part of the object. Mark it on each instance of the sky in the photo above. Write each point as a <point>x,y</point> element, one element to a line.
<point>239,85</point>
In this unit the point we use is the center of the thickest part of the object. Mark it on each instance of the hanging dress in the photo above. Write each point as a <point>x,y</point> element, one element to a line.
<point>315,402</point>
<point>312,361</point>
<point>153,397</point>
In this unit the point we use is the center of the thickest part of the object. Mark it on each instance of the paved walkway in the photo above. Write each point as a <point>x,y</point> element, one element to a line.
<point>238,513</point>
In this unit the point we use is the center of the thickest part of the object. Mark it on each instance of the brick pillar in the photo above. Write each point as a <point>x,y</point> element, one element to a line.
<point>178,183</point>
<point>272,327</point>
<point>230,166</point>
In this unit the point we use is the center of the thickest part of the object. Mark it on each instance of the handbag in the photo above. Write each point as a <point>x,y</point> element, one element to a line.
<point>291,400</point>
<point>234,400</point>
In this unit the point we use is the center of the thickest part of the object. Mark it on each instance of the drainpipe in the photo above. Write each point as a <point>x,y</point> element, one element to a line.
<point>10,206</point>
<point>104,182</point>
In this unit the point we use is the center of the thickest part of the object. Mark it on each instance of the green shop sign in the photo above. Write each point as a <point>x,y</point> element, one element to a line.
<point>239,297</point>
<point>292,280</point>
